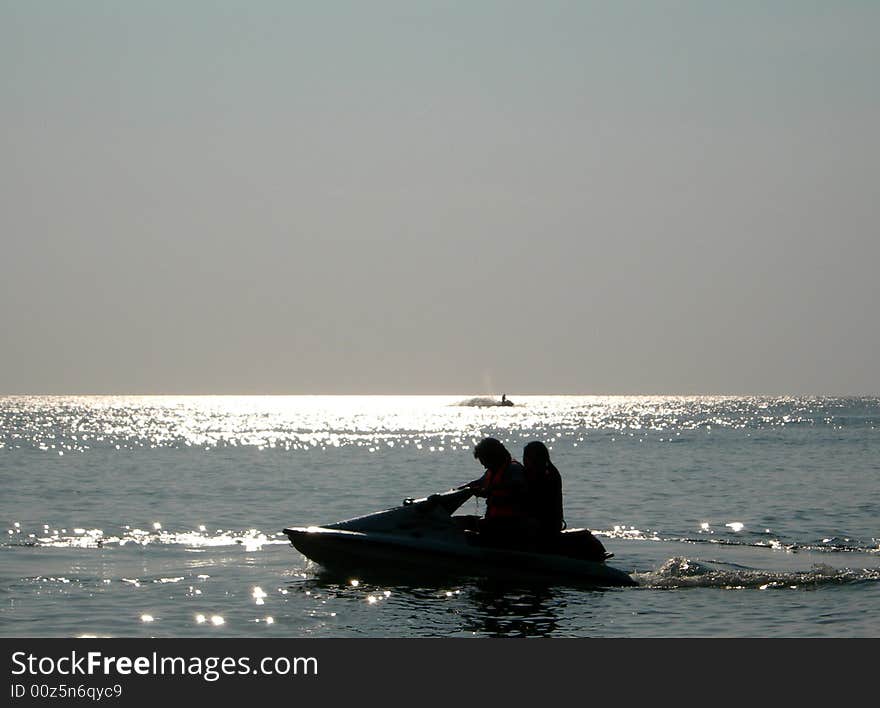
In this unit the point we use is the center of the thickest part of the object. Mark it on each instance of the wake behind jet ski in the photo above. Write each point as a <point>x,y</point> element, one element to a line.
<point>423,536</point>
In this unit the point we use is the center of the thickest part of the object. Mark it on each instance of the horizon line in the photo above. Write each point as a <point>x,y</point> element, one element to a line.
<point>473,395</point>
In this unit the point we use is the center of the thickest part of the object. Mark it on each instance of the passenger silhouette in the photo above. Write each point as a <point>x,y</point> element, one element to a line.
<point>545,492</point>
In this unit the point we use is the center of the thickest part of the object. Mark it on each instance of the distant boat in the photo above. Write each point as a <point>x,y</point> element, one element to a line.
<point>485,402</point>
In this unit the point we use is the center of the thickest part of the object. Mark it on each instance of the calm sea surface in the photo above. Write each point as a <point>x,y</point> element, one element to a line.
<point>162,516</point>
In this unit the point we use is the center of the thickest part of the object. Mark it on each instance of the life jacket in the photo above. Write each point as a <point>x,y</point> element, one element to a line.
<point>500,499</point>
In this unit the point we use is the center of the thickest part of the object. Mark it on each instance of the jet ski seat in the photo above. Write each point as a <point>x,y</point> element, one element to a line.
<point>581,544</point>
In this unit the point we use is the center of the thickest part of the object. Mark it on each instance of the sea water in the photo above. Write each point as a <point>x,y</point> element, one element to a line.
<point>162,516</point>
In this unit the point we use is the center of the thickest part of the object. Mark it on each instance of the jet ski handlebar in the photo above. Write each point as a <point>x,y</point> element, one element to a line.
<point>449,500</point>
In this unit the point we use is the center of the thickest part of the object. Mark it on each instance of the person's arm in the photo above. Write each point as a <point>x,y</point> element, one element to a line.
<point>476,485</point>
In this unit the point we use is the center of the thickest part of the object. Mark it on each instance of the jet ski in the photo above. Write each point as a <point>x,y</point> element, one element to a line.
<point>424,536</point>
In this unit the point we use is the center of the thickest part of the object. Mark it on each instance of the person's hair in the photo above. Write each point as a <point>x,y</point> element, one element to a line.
<point>491,451</point>
<point>537,449</point>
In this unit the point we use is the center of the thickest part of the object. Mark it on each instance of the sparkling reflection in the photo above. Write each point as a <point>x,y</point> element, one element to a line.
<point>430,424</point>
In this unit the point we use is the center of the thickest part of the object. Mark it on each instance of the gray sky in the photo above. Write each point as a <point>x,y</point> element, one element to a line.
<point>439,197</point>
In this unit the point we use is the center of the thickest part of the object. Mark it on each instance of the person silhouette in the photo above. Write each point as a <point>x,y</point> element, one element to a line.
<point>508,520</point>
<point>545,491</point>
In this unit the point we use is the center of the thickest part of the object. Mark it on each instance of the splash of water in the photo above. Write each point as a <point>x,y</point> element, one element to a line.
<point>681,572</point>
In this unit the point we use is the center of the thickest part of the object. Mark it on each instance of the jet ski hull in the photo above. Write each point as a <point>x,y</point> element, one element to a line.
<point>422,536</point>
<point>353,552</point>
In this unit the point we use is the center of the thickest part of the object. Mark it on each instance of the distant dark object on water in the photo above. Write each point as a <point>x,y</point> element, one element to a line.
<point>486,402</point>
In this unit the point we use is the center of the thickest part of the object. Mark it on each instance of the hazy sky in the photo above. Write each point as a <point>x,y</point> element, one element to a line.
<point>439,197</point>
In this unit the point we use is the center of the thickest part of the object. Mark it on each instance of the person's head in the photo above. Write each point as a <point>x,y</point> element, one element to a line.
<point>491,453</point>
<point>536,456</point>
